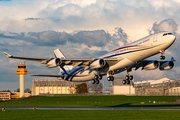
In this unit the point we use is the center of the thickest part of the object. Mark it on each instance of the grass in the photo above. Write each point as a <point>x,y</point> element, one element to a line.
<point>89,115</point>
<point>93,101</point>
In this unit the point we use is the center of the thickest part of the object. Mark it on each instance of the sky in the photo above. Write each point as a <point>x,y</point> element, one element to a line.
<point>81,29</point>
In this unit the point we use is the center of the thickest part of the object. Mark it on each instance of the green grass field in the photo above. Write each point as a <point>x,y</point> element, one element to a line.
<point>91,101</point>
<point>89,115</point>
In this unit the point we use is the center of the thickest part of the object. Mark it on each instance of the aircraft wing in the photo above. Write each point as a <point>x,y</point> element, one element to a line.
<point>89,61</point>
<point>146,64</point>
<point>153,64</point>
<point>42,60</point>
<point>74,62</point>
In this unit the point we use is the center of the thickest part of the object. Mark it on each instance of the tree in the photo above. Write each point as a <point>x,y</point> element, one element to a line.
<point>18,90</point>
<point>27,90</point>
<point>82,88</point>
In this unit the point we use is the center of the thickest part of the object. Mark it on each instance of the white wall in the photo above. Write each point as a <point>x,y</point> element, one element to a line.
<point>123,90</point>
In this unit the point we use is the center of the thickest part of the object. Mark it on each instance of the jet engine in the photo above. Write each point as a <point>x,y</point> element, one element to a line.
<point>166,65</point>
<point>151,65</point>
<point>54,62</point>
<point>97,64</point>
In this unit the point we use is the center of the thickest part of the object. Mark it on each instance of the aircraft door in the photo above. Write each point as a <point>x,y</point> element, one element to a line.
<point>154,37</point>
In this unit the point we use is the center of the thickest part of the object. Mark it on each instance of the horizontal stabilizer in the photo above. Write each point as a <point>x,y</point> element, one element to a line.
<point>7,54</point>
<point>172,59</point>
<point>48,75</point>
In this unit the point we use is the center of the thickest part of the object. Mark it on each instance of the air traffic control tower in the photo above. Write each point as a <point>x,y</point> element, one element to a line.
<point>21,71</point>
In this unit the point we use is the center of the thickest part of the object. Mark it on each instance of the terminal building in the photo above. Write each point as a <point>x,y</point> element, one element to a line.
<point>118,88</point>
<point>42,86</point>
<point>5,95</point>
<point>162,87</point>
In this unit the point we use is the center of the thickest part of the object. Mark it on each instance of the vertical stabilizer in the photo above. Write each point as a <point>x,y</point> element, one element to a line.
<point>58,53</point>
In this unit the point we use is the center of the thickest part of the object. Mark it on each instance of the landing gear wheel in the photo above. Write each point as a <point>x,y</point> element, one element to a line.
<point>100,77</point>
<point>127,77</point>
<point>131,77</point>
<point>128,82</point>
<point>110,78</point>
<point>124,82</point>
<point>96,77</point>
<point>97,81</point>
<point>162,57</point>
<point>93,81</point>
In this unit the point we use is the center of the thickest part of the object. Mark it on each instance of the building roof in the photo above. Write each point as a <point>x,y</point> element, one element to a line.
<point>152,82</point>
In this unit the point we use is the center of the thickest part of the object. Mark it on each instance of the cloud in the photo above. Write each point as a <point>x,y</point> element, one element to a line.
<point>33,19</point>
<point>165,25</point>
<point>82,28</point>
<point>52,38</point>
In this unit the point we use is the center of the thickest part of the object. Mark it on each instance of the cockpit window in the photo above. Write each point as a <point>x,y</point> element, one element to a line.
<point>167,34</point>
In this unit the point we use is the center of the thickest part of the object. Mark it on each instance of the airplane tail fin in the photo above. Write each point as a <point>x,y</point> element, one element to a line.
<point>59,54</point>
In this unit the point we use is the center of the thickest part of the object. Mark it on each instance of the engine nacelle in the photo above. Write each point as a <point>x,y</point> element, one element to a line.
<point>54,63</point>
<point>167,65</point>
<point>151,65</point>
<point>97,64</point>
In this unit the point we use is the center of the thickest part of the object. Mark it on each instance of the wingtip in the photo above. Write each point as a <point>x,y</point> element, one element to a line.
<point>7,54</point>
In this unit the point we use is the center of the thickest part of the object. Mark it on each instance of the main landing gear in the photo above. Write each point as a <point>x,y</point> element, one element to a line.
<point>110,76</point>
<point>128,79</point>
<point>96,79</point>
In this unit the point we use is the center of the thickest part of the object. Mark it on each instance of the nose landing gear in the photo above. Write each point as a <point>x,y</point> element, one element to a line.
<point>162,57</point>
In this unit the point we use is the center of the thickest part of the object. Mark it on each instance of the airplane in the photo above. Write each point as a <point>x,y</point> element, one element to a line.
<point>121,59</point>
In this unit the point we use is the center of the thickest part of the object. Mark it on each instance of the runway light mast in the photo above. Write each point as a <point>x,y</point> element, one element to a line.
<point>21,71</point>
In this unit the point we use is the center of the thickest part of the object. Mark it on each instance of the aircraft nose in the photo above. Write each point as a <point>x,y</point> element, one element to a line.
<point>173,37</point>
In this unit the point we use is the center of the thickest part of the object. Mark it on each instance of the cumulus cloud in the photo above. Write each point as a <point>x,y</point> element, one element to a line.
<point>83,28</point>
<point>165,25</point>
<point>52,38</point>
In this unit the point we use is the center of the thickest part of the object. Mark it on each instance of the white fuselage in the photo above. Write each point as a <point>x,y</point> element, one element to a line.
<point>132,53</point>
<point>140,50</point>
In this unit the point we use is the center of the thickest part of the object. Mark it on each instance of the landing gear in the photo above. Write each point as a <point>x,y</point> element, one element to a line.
<point>162,57</point>
<point>96,79</point>
<point>93,81</point>
<point>110,76</point>
<point>128,79</point>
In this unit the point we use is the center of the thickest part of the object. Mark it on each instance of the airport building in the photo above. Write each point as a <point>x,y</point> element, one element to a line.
<point>118,88</point>
<point>42,86</point>
<point>5,95</point>
<point>163,87</point>
<point>160,87</point>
